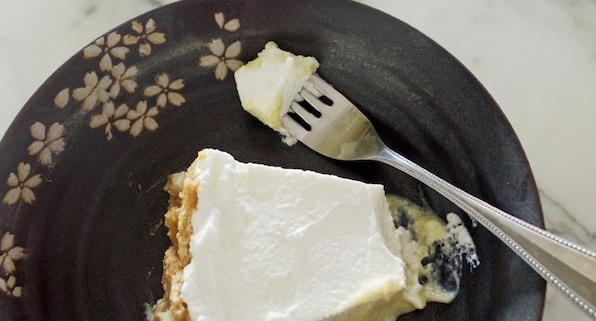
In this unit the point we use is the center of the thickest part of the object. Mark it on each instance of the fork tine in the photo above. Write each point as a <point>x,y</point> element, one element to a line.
<point>313,100</point>
<point>326,89</point>
<point>306,115</point>
<point>320,84</point>
<point>293,127</point>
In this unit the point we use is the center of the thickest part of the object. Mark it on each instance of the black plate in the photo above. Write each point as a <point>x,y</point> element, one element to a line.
<point>83,196</point>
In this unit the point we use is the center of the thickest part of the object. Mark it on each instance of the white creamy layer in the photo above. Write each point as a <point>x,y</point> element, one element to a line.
<point>268,85</point>
<point>278,244</point>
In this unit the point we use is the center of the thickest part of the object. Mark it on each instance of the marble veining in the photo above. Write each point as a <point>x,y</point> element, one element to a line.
<point>156,3</point>
<point>565,224</point>
<point>537,58</point>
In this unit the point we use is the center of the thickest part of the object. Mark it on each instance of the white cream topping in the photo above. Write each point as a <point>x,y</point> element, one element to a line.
<point>278,244</point>
<point>268,85</point>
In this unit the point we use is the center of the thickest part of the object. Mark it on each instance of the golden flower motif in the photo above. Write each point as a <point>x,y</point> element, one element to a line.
<point>143,118</point>
<point>10,253</point>
<point>222,58</point>
<point>231,25</point>
<point>111,117</point>
<point>108,46</point>
<point>95,91</point>
<point>166,91</point>
<point>62,98</point>
<point>146,35</point>
<point>10,288</point>
<point>22,185</point>
<point>47,143</point>
<point>123,78</point>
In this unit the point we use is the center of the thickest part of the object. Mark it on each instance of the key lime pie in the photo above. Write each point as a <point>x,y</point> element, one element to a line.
<point>256,242</point>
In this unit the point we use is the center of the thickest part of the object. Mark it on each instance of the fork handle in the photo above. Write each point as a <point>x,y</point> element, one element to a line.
<point>570,268</point>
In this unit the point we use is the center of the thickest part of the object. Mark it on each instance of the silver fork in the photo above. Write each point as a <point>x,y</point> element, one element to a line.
<point>342,132</point>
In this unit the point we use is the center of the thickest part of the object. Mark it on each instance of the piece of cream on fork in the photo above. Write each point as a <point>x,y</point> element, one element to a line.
<point>268,85</point>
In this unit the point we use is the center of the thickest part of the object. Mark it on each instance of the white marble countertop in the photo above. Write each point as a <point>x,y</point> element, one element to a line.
<point>537,58</point>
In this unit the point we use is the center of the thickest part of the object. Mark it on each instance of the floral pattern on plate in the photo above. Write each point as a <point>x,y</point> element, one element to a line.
<point>9,257</point>
<point>223,58</point>
<point>105,92</point>
<point>116,81</point>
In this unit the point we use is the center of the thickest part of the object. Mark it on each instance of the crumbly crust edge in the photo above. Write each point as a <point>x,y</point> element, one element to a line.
<point>183,189</point>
